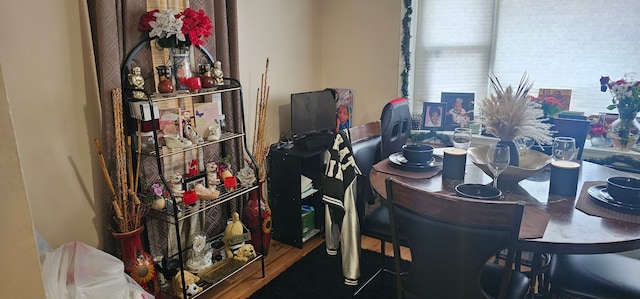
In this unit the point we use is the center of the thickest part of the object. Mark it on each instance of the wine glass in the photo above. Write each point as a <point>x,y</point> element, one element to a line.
<point>564,148</point>
<point>462,138</point>
<point>497,160</point>
<point>523,143</point>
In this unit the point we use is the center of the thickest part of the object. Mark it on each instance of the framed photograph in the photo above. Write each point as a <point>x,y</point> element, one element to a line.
<point>190,183</point>
<point>432,116</point>
<point>459,109</point>
<point>562,95</point>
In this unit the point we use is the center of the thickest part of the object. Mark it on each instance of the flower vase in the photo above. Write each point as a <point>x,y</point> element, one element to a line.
<point>181,67</point>
<point>251,220</point>
<point>625,128</point>
<point>514,157</point>
<point>138,263</point>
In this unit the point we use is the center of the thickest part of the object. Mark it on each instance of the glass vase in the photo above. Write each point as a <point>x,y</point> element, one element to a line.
<point>137,262</point>
<point>181,66</point>
<point>625,128</point>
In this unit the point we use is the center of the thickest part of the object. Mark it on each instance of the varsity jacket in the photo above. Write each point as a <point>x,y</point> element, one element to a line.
<point>341,216</point>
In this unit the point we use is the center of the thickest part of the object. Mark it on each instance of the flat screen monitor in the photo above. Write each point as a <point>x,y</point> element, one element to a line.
<point>313,112</point>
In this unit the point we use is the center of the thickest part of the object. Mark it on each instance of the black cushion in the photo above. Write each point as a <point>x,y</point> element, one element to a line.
<point>376,225</point>
<point>490,281</point>
<point>366,153</point>
<point>595,276</point>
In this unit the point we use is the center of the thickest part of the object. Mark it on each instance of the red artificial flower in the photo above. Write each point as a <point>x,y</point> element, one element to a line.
<point>196,25</point>
<point>144,23</point>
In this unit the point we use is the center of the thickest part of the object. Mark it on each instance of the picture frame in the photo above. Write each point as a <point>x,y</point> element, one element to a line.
<point>562,95</point>
<point>460,107</point>
<point>191,182</point>
<point>437,121</point>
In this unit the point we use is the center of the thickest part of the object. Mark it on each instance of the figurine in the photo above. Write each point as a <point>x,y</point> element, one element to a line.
<point>214,132</point>
<point>217,73</point>
<point>212,174</point>
<point>233,234</point>
<point>176,184</point>
<point>137,81</point>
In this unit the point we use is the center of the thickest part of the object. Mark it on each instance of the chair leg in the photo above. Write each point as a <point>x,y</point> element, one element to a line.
<point>380,270</point>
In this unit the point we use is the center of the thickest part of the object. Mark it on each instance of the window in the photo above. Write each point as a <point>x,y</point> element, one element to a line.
<point>560,44</point>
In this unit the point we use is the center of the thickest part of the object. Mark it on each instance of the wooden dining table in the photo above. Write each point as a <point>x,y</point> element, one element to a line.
<point>569,230</point>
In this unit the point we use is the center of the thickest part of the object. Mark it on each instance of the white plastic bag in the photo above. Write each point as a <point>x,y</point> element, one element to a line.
<point>78,271</point>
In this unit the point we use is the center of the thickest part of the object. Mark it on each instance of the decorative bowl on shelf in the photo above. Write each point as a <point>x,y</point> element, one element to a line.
<point>531,163</point>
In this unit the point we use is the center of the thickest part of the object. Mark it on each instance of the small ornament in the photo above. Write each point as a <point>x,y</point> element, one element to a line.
<point>217,73</point>
<point>194,84</point>
<point>137,81</point>
<point>164,77</point>
<point>205,76</point>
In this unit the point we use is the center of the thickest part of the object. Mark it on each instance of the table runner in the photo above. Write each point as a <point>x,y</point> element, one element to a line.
<point>586,204</point>
<point>386,166</point>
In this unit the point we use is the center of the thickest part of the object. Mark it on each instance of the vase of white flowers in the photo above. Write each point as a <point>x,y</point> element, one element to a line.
<point>512,113</point>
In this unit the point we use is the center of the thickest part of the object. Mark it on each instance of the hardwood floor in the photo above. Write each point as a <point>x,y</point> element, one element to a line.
<point>280,257</point>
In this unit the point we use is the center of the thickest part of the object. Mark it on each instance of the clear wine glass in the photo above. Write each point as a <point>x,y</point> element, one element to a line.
<point>462,138</point>
<point>564,148</point>
<point>497,160</point>
<point>523,143</point>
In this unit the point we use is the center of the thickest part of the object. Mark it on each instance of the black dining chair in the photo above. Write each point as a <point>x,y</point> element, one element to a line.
<point>451,241</point>
<point>395,126</point>
<point>366,148</point>
<point>594,276</point>
<point>568,127</point>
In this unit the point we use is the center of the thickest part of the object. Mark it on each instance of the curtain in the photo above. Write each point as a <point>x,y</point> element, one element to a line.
<point>114,26</point>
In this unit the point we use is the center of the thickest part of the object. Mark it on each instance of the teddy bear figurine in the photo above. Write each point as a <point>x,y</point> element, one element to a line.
<point>232,236</point>
<point>212,174</point>
<point>190,280</point>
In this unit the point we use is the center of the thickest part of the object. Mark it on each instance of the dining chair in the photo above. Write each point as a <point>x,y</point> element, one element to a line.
<point>594,276</point>
<point>451,240</point>
<point>395,126</point>
<point>366,148</point>
<point>576,128</point>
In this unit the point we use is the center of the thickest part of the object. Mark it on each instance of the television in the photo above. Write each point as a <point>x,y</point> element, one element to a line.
<point>313,112</point>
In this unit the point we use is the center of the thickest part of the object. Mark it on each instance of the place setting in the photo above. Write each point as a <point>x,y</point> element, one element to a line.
<point>414,161</point>
<point>619,196</point>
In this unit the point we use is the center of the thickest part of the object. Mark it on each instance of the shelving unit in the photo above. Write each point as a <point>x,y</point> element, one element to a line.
<point>285,194</point>
<point>178,212</point>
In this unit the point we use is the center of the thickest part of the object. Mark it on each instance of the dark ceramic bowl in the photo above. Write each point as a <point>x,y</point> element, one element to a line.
<point>624,189</point>
<point>417,153</point>
<point>478,191</point>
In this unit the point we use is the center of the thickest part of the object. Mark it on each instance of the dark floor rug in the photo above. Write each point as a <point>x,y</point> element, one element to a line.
<point>319,275</point>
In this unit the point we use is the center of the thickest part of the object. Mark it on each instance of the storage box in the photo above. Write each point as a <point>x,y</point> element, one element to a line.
<point>308,219</point>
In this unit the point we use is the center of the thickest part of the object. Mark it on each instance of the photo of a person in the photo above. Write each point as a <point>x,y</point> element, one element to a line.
<point>432,115</point>
<point>458,114</point>
<point>342,118</point>
<point>461,109</point>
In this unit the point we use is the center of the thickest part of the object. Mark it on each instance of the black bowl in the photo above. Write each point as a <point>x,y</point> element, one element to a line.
<point>417,153</point>
<point>624,189</point>
<point>478,191</point>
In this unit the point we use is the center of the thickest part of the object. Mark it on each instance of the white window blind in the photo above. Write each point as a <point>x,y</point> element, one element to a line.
<point>560,44</point>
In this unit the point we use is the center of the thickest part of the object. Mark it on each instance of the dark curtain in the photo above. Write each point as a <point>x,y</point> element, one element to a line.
<point>114,26</point>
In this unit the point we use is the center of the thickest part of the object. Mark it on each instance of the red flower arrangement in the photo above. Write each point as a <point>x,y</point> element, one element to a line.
<point>177,30</point>
<point>549,105</point>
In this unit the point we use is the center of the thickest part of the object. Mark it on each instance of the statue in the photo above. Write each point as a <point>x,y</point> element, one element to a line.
<point>217,73</point>
<point>137,81</point>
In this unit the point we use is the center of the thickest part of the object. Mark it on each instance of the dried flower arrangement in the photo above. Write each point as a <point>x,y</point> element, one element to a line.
<point>509,115</point>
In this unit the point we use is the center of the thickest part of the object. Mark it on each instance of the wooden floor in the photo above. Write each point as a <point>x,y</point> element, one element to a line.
<point>280,257</point>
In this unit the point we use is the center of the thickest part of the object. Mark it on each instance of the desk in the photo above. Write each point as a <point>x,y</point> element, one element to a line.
<point>569,230</point>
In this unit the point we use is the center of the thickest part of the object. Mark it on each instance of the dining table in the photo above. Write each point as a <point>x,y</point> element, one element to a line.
<point>562,223</point>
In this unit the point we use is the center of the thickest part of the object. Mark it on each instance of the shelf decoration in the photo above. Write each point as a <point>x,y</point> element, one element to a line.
<point>177,32</point>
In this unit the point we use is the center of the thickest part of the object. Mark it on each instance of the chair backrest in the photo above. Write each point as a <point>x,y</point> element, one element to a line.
<point>576,128</point>
<point>395,126</point>
<point>450,239</point>
<point>365,146</point>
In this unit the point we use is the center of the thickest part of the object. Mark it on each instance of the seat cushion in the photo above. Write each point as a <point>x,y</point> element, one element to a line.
<point>492,275</point>
<point>376,225</point>
<point>595,276</point>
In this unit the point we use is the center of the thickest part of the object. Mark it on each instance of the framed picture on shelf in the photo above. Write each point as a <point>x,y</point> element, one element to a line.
<point>190,183</point>
<point>459,109</point>
<point>432,116</point>
<point>562,95</point>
